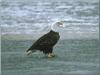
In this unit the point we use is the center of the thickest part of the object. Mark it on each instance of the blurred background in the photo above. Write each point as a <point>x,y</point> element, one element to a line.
<point>31,18</point>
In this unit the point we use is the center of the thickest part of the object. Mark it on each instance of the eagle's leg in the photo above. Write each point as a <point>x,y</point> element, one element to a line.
<point>50,52</point>
<point>51,55</point>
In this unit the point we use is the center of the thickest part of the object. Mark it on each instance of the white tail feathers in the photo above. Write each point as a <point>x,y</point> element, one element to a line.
<point>29,52</point>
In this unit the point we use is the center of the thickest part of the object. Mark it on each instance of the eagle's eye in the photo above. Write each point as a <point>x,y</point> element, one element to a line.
<point>60,24</point>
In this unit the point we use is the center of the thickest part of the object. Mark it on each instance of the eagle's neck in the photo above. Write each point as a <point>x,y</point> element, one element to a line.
<point>54,27</point>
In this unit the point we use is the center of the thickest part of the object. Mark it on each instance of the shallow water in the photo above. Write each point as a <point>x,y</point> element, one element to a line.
<point>73,57</point>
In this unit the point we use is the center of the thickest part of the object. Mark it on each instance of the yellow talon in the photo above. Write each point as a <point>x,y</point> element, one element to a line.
<point>50,55</point>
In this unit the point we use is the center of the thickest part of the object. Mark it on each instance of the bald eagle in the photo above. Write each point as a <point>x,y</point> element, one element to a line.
<point>47,41</point>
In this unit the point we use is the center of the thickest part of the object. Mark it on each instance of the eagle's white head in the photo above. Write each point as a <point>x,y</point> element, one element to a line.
<point>57,26</point>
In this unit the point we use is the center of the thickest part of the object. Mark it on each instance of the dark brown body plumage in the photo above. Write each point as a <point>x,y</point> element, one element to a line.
<point>46,42</point>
